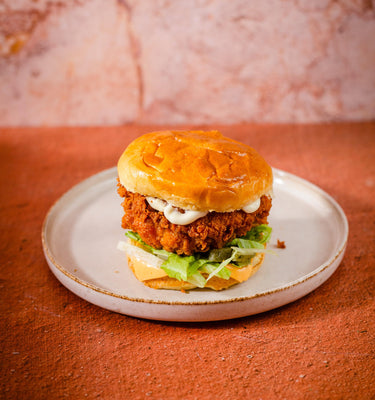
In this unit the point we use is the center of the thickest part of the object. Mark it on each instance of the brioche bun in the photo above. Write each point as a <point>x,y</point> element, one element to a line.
<point>195,170</point>
<point>145,268</point>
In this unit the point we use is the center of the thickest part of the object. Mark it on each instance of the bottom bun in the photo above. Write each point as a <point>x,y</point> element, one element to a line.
<point>165,282</point>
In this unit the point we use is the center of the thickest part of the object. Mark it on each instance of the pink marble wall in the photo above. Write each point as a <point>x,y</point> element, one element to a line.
<point>108,62</point>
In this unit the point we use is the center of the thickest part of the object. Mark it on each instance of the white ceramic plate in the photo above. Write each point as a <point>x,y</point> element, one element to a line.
<point>81,231</point>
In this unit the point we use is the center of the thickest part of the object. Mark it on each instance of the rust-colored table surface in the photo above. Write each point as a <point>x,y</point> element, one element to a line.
<point>55,345</point>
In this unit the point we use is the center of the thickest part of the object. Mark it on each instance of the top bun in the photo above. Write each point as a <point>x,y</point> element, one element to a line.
<point>195,170</point>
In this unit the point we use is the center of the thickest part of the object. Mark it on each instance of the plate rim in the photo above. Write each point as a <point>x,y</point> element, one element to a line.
<point>103,175</point>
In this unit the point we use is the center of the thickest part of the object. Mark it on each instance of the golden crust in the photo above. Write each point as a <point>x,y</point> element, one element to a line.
<point>195,170</point>
<point>168,283</point>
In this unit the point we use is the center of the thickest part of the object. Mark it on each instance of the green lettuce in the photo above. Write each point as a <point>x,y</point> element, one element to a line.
<point>237,252</point>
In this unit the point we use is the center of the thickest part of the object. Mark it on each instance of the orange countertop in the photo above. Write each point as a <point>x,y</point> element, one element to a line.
<point>56,345</point>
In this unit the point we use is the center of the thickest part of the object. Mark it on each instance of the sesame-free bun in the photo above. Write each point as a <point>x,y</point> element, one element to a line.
<point>139,266</point>
<point>195,170</point>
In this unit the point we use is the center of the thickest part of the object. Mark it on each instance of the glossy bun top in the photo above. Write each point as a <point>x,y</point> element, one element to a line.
<point>195,170</point>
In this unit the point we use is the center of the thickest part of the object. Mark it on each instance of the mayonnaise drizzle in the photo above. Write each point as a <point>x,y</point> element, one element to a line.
<point>187,217</point>
<point>251,207</point>
<point>157,204</point>
<point>175,216</point>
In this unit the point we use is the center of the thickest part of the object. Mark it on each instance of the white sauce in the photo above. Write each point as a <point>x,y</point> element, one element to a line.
<point>251,207</point>
<point>186,217</point>
<point>157,204</point>
<point>182,218</point>
<point>173,214</point>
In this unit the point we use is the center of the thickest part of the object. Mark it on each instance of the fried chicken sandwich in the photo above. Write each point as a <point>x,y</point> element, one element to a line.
<point>195,209</point>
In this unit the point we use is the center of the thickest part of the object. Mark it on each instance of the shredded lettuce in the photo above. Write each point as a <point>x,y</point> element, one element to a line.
<point>237,252</point>
<point>212,268</point>
<point>180,267</point>
<point>260,234</point>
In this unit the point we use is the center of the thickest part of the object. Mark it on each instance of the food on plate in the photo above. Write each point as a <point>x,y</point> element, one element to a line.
<point>196,208</point>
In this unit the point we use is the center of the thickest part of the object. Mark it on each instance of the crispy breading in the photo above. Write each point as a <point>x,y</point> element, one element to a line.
<point>212,231</point>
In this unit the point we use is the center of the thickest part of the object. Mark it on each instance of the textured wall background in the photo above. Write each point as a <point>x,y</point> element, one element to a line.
<point>101,62</point>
